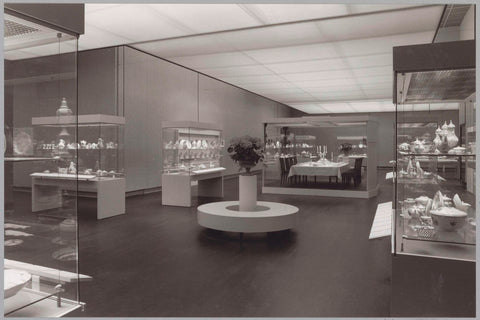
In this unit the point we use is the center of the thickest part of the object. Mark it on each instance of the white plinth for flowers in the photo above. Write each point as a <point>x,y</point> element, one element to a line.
<point>247,192</point>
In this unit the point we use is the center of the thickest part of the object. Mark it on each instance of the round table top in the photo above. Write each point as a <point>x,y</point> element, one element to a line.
<point>274,209</point>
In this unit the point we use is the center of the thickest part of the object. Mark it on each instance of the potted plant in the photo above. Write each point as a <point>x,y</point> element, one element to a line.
<point>246,151</point>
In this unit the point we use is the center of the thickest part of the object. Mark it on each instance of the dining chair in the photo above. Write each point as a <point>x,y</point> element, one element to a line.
<point>355,174</point>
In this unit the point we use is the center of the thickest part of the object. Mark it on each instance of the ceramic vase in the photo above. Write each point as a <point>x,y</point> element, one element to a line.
<point>64,110</point>
<point>452,139</point>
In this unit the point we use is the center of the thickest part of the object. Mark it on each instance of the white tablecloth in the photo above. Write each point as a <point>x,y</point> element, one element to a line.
<point>317,169</point>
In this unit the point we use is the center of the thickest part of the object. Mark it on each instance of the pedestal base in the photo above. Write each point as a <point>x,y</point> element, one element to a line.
<point>223,216</point>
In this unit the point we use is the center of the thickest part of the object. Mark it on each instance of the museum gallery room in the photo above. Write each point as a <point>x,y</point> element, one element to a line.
<point>239,160</point>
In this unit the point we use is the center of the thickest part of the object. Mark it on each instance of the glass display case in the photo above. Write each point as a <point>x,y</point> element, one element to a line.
<point>305,154</point>
<point>305,147</point>
<point>99,148</point>
<point>41,248</point>
<point>434,210</point>
<point>192,150</point>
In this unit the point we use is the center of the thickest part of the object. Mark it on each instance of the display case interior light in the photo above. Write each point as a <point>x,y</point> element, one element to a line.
<point>435,86</point>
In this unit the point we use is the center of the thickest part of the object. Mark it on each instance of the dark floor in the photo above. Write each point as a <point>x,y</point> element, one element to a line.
<point>156,261</point>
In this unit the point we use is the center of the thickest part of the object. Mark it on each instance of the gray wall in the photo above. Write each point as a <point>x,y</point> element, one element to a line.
<point>156,90</point>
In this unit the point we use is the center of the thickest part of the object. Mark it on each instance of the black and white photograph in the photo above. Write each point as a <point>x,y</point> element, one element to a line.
<point>239,159</point>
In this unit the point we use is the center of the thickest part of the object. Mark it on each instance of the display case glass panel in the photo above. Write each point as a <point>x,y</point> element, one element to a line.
<point>41,242</point>
<point>192,150</point>
<point>99,148</point>
<point>434,210</point>
<point>326,155</point>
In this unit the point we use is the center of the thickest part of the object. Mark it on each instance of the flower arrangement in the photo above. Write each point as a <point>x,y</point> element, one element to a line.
<point>345,148</point>
<point>246,151</point>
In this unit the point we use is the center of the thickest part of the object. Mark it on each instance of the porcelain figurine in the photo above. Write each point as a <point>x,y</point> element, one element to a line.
<point>64,110</point>
<point>438,201</point>
<point>100,143</point>
<point>419,170</point>
<point>169,145</point>
<point>205,144</point>
<point>188,144</point>
<point>99,173</point>
<point>437,141</point>
<point>93,145</point>
<point>83,144</point>
<point>61,144</point>
<point>410,169</point>
<point>176,145</point>
<point>71,146</point>
<point>87,171</point>
<point>72,168</point>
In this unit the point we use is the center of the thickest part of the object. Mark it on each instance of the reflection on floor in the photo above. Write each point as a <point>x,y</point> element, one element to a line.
<point>318,183</point>
<point>157,261</point>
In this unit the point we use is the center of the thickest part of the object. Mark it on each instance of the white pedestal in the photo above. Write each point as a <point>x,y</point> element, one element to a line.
<point>268,217</point>
<point>248,192</point>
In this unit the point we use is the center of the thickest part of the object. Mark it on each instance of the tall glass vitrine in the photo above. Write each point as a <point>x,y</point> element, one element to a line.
<point>433,205</point>
<point>41,246</point>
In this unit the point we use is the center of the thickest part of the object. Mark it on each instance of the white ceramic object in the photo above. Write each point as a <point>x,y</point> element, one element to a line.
<point>247,192</point>
<point>452,139</point>
<point>64,110</point>
<point>437,141</point>
<point>448,219</point>
<point>13,281</point>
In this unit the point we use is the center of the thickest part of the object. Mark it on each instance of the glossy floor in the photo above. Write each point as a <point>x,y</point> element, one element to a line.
<point>156,261</point>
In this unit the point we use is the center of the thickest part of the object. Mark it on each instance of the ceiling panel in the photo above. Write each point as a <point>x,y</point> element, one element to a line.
<point>236,71</point>
<point>208,17</point>
<point>381,24</point>
<point>191,46</point>
<point>374,60</point>
<point>294,53</point>
<point>379,45</point>
<point>228,59</point>
<point>272,37</point>
<point>278,13</point>
<point>95,37</point>
<point>312,76</point>
<point>147,23</point>
<point>304,63</point>
<point>362,8</point>
<point>265,78</point>
<point>307,66</point>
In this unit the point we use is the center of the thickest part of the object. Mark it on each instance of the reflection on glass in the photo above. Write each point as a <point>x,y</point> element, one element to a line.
<point>41,248</point>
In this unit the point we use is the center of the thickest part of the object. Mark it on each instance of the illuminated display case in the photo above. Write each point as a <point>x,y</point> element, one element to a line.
<point>41,277</point>
<point>192,151</point>
<point>434,208</point>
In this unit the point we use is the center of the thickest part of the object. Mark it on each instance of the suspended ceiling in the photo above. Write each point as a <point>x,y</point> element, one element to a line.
<point>318,58</point>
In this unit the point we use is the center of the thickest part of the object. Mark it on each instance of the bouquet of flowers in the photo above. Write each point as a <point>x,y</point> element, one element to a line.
<point>246,151</point>
<point>345,148</point>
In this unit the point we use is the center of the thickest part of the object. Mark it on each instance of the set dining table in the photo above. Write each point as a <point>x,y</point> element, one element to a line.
<point>319,168</point>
